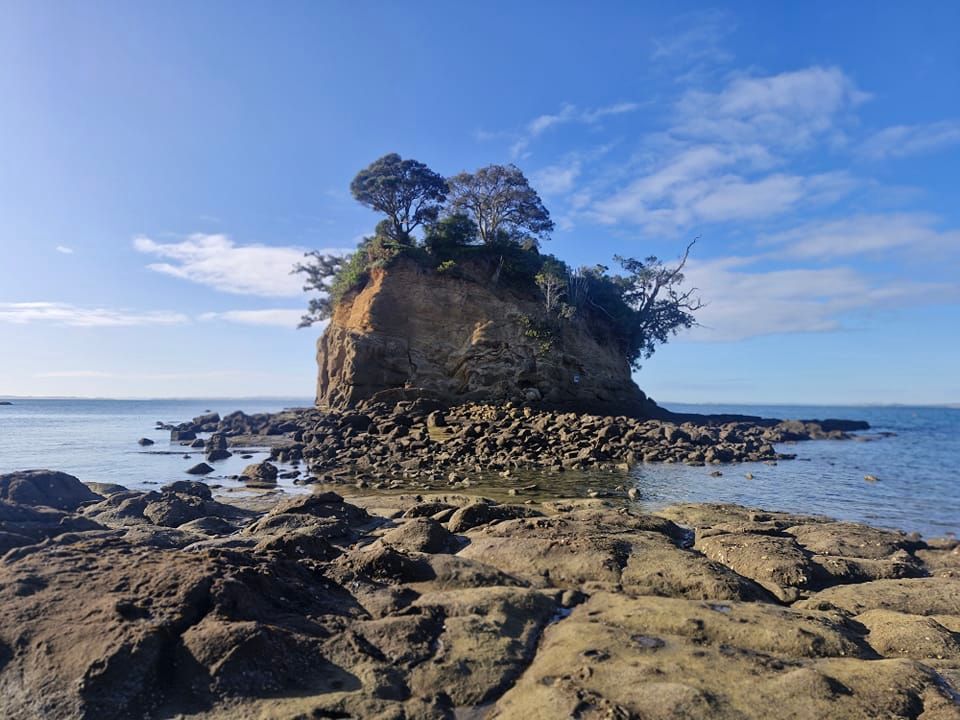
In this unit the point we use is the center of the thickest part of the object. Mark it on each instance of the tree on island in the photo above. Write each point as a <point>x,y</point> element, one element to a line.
<point>552,281</point>
<point>661,307</point>
<point>320,270</point>
<point>449,233</point>
<point>501,202</point>
<point>635,311</point>
<point>406,191</point>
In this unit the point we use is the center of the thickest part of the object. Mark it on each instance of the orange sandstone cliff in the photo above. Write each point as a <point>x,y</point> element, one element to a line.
<point>461,338</point>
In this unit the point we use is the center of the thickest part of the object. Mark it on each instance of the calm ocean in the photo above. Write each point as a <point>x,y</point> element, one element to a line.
<point>918,487</point>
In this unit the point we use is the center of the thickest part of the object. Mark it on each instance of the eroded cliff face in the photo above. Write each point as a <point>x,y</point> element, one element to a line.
<point>461,340</point>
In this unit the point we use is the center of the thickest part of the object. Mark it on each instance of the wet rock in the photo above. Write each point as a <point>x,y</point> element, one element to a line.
<point>189,487</point>
<point>199,469</point>
<point>262,474</point>
<point>104,489</point>
<point>216,454</point>
<point>145,442</point>
<point>45,487</point>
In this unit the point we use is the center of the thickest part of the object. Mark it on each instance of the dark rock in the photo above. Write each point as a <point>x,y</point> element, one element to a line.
<point>174,509</point>
<point>206,420</point>
<point>145,441</point>
<point>189,487</point>
<point>105,489</point>
<point>263,473</point>
<point>182,435</point>
<point>45,487</point>
<point>200,469</point>
<point>215,454</point>
<point>482,513</point>
<point>209,525</point>
<point>421,535</point>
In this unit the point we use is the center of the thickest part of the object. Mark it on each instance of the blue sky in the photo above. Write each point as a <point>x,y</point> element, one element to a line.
<point>161,165</point>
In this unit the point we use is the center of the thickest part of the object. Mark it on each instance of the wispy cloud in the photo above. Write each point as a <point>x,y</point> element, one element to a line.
<point>905,140</point>
<point>721,157</point>
<point>23,313</point>
<point>692,190</point>
<point>278,317</point>
<point>697,40</point>
<point>788,111</point>
<point>64,250</point>
<point>865,234</point>
<point>745,301</point>
<point>556,179</point>
<point>568,114</point>
<point>218,262</point>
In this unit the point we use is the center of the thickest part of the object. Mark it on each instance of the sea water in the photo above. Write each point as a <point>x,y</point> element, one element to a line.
<point>916,488</point>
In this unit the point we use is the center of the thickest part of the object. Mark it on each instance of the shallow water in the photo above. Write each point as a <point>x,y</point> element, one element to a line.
<point>917,488</point>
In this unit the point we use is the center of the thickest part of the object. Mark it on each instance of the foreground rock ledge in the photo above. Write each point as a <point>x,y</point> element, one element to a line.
<point>171,604</point>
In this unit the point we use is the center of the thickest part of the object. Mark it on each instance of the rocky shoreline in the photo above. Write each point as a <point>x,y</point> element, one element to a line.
<point>424,444</point>
<point>178,604</point>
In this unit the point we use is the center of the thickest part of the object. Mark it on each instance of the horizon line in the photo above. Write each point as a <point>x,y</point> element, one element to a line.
<point>662,403</point>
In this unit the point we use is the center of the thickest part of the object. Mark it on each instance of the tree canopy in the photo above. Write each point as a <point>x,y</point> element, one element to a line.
<point>406,191</point>
<point>501,202</point>
<point>636,311</point>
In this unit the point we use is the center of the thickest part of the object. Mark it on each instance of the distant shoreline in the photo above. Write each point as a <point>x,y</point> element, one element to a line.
<point>309,401</point>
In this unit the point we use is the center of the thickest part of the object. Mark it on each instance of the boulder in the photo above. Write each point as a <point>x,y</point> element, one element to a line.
<point>189,487</point>
<point>145,441</point>
<point>421,535</point>
<point>262,473</point>
<point>199,469</point>
<point>482,513</point>
<point>104,489</point>
<point>45,487</point>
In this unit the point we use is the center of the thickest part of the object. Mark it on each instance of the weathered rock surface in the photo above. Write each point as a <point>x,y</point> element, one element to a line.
<point>45,487</point>
<point>458,339</point>
<point>320,608</point>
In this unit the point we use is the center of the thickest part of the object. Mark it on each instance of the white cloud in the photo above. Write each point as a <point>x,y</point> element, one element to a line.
<point>744,302</point>
<point>217,262</point>
<point>715,162</point>
<point>279,317</point>
<point>23,313</point>
<point>690,191</point>
<point>863,234</point>
<point>64,250</point>
<point>556,179</point>
<point>567,114</point>
<point>904,140</point>
<point>789,110</point>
